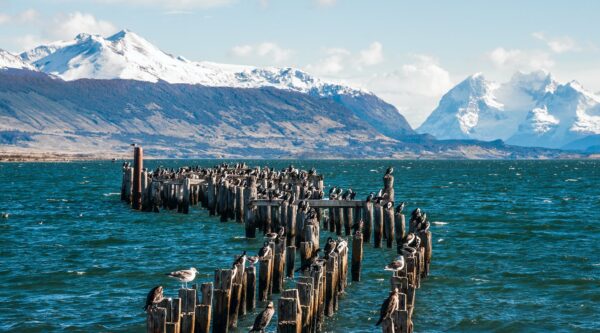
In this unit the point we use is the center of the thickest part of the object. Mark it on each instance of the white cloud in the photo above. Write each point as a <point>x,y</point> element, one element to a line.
<point>333,63</point>
<point>25,16</point>
<point>4,18</point>
<point>325,3</point>
<point>174,4</point>
<point>415,88</point>
<point>517,59</point>
<point>242,50</point>
<point>274,51</point>
<point>265,50</point>
<point>28,42</point>
<point>372,55</point>
<point>337,60</point>
<point>557,45</point>
<point>68,26</point>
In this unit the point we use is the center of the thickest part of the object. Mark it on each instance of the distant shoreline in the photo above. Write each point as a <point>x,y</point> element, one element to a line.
<point>59,157</point>
<point>33,157</point>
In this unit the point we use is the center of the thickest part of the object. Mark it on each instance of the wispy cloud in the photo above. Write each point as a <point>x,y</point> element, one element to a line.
<point>372,55</point>
<point>174,4</point>
<point>559,44</point>
<point>517,59</point>
<point>325,3</point>
<point>266,50</point>
<point>67,26</point>
<point>25,16</point>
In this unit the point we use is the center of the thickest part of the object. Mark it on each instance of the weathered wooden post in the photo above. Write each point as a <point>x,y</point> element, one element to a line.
<point>357,254</point>
<point>290,258</point>
<point>203,310</point>
<point>250,288</point>
<point>188,309</point>
<point>222,297</point>
<point>186,196</point>
<point>212,195</point>
<point>377,224</point>
<point>250,193</point>
<point>389,224</point>
<point>138,166</point>
<point>399,228</point>
<point>368,220</point>
<point>331,284</point>
<point>264,278</point>
<point>279,265</point>
<point>289,312</point>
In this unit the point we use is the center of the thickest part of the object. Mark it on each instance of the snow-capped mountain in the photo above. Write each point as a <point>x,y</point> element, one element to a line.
<point>126,55</point>
<point>9,60</point>
<point>532,109</point>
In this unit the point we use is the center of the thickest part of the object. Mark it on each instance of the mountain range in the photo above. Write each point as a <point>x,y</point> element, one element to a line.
<point>99,94</point>
<point>532,109</point>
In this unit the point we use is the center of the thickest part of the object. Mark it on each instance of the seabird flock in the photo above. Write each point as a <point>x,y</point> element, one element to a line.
<point>410,244</point>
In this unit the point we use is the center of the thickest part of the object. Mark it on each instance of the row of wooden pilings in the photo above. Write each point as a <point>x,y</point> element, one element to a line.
<point>417,260</point>
<point>266,200</point>
<point>261,199</point>
<point>235,293</point>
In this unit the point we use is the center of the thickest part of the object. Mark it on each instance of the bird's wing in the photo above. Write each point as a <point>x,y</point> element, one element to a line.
<point>257,322</point>
<point>182,274</point>
<point>266,317</point>
<point>383,311</point>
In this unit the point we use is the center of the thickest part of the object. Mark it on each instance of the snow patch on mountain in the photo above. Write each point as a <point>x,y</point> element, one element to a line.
<point>126,55</point>
<point>9,60</point>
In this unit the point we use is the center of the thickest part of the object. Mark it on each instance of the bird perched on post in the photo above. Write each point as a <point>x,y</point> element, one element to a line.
<point>389,171</point>
<point>264,251</point>
<point>400,207</point>
<point>154,296</point>
<point>263,319</point>
<point>329,247</point>
<point>389,306</point>
<point>241,260</point>
<point>184,275</point>
<point>395,265</point>
<point>310,261</point>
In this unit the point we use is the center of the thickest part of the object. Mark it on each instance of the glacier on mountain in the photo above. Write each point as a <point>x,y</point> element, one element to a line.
<point>532,109</point>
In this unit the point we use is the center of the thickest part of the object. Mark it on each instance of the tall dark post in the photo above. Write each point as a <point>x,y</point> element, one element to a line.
<point>138,165</point>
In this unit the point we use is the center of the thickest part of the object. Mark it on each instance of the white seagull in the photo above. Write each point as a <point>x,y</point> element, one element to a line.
<point>184,275</point>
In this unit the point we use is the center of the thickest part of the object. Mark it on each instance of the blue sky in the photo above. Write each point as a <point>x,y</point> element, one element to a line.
<point>409,53</point>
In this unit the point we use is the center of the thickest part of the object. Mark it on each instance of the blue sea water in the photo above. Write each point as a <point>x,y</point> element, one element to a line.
<point>516,246</point>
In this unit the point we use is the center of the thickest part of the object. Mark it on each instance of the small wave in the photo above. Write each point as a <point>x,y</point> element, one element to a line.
<point>109,194</point>
<point>440,240</point>
<point>379,280</point>
<point>511,213</point>
<point>439,223</point>
<point>479,280</point>
<point>547,201</point>
<point>56,200</point>
<point>76,272</point>
<point>373,170</point>
<point>571,180</point>
<point>598,264</point>
<point>517,174</point>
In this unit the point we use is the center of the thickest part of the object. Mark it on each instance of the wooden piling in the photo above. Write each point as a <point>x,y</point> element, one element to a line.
<point>389,225</point>
<point>138,166</point>
<point>377,225</point>
<point>290,260</point>
<point>264,278</point>
<point>357,254</point>
<point>250,288</point>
